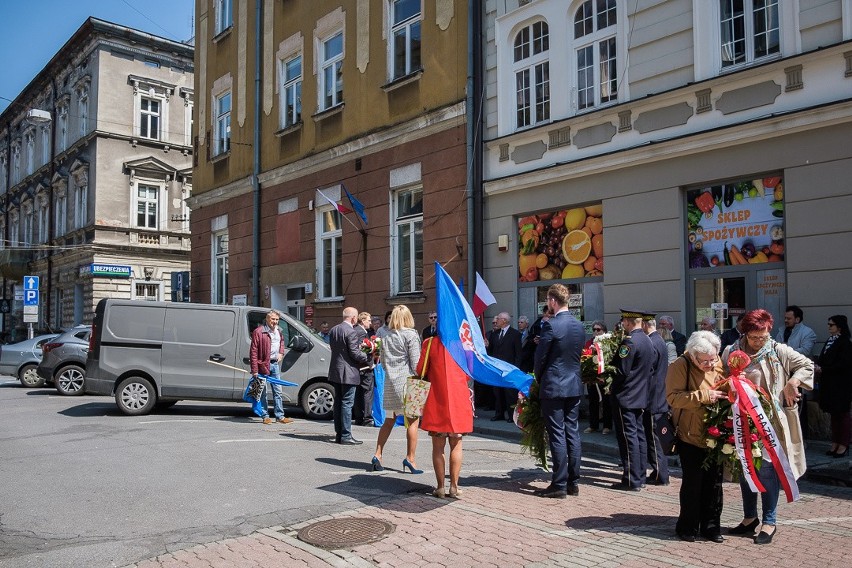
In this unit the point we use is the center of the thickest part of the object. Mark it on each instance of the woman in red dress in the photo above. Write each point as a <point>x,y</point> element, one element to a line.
<point>448,412</point>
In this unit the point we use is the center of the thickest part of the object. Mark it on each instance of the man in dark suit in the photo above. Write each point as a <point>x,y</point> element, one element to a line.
<point>678,338</point>
<point>431,330</point>
<point>362,410</point>
<point>657,404</point>
<point>343,372</point>
<point>633,362</point>
<point>505,344</point>
<point>530,343</point>
<point>557,367</point>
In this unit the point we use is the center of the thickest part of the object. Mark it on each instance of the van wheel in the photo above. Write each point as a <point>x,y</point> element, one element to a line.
<point>29,377</point>
<point>318,401</point>
<point>69,381</point>
<point>136,396</point>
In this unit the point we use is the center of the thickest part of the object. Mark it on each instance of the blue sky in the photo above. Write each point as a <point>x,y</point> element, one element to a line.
<point>32,31</point>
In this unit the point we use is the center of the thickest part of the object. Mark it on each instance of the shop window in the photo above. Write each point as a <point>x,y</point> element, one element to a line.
<point>561,245</point>
<point>595,52</point>
<point>532,74</point>
<point>750,30</point>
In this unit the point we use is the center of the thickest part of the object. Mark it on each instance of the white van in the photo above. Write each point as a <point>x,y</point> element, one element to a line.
<point>153,354</point>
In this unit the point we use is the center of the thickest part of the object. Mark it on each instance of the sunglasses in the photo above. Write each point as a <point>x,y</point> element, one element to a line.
<point>433,317</point>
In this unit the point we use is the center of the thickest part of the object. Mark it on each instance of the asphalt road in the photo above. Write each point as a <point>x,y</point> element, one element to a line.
<point>83,485</point>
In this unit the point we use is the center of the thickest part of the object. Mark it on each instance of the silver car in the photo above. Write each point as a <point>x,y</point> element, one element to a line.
<point>64,362</point>
<point>21,359</point>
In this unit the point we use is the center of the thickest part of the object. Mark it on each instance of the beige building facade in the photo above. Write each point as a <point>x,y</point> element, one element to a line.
<point>95,157</point>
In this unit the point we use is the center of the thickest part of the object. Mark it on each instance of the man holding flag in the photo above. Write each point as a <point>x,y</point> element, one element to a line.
<point>557,367</point>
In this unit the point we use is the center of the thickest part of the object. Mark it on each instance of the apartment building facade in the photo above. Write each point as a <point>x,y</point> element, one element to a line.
<point>685,157</point>
<point>330,153</point>
<point>95,167</point>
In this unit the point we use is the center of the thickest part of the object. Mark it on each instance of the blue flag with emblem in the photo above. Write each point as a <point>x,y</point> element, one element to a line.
<point>460,334</point>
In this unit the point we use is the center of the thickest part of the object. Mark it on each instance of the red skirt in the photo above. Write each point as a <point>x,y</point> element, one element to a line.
<point>449,408</point>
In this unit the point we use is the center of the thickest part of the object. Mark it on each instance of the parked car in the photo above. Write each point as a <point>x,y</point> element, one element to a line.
<point>64,361</point>
<point>152,354</point>
<point>21,359</point>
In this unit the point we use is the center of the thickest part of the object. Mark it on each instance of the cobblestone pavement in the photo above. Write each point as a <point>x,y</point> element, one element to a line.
<point>502,524</point>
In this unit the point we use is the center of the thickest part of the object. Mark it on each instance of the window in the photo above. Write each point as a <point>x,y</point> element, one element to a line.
<point>146,291</point>
<point>220,267</point>
<point>224,15</point>
<point>331,72</point>
<point>532,74</point>
<point>62,128</point>
<point>223,124</point>
<point>291,92</point>
<point>45,145</point>
<point>595,48</point>
<point>405,37</point>
<point>29,142</point>
<point>149,118</point>
<point>3,167</point>
<point>81,206</point>
<point>61,213</point>
<point>43,221</point>
<point>13,229</point>
<point>407,240</point>
<point>749,30</point>
<point>83,111</point>
<point>28,224</point>
<point>330,256</point>
<point>147,206</point>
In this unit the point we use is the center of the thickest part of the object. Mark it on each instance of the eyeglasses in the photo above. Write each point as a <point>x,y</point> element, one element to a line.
<point>758,338</point>
<point>597,329</point>
<point>433,317</point>
<point>705,362</point>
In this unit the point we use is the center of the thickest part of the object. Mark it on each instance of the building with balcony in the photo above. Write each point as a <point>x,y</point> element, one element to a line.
<point>688,157</point>
<point>95,168</point>
<point>363,99</point>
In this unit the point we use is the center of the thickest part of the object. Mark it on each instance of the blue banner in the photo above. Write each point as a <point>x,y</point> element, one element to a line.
<point>461,335</point>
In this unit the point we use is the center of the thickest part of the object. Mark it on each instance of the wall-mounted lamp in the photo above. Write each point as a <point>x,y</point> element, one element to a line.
<point>503,243</point>
<point>38,116</point>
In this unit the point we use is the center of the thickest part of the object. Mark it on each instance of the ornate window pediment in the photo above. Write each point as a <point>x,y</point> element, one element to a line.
<point>80,172</point>
<point>149,168</point>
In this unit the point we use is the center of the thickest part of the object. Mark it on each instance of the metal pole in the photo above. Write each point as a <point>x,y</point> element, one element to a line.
<point>255,183</point>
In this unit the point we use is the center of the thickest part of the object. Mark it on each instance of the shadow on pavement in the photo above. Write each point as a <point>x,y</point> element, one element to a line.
<point>649,525</point>
<point>41,391</point>
<point>89,409</point>
<point>382,491</point>
<point>359,465</point>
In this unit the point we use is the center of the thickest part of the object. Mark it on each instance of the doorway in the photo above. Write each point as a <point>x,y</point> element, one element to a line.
<point>290,300</point>
<point>732,294</point>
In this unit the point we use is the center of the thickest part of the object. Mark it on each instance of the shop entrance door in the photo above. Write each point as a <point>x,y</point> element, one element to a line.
<point>740,291</point>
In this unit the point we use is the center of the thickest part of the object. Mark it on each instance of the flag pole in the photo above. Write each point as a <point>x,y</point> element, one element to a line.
<point>327,198</point>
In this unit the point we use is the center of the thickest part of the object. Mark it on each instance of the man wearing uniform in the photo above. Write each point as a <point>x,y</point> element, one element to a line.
<point>657,404</point>
<point>634,365</point>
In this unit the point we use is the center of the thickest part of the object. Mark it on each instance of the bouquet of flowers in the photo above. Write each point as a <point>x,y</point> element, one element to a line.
<point>371,346</point>
<point>719,418</point>
<point>529,419</point>
<point>596,362</point>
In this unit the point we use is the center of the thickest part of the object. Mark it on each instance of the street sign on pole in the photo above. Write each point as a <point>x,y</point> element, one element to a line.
<point>30,282</point>
<point>31,297</point>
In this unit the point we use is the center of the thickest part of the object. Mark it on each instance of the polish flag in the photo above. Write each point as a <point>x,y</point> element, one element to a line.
<point>482,297</point>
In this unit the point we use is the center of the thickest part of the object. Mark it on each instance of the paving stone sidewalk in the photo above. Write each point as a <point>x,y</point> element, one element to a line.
<point>502,524</point>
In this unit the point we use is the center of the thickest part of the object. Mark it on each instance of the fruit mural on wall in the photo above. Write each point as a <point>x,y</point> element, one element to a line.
<point>561,245</point>
<point>738,223</point>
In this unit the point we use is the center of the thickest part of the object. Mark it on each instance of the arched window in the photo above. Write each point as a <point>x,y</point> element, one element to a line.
<point>532,74</point>
<point>595,47</point>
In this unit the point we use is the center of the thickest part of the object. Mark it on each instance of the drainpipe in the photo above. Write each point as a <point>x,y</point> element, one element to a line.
<point>474,143</point>
<point>51,230</point>
<point>255,183</point>
<point>6,210</point>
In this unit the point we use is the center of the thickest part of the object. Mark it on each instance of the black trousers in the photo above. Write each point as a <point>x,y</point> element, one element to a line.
<point>700,493</point>
<point>599,403</point>
<point>657,460</point>
<point>631,443</point>
<point>363,408</point>
<point>504,398</point>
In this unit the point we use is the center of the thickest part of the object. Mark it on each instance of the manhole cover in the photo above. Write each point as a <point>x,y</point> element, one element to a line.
<point>345,533</point>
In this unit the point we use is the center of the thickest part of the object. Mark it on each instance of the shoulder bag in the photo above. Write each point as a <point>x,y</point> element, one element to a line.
<point>665,429</point>
<point>417,390</point>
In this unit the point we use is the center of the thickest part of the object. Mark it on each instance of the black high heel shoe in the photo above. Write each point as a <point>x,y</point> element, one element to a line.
<point>839,455</point>
<point>377,464</point>
<point>745,529</point>
<point>411,468</point>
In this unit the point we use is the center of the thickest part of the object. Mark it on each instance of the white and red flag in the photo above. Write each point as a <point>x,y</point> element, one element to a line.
<point>482,297</point>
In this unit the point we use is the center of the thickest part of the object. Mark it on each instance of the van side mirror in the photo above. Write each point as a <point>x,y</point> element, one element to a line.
<point>299,343</point>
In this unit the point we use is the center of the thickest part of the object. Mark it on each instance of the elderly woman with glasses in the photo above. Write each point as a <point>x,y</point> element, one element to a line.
<point>600,406</point>
<point>690,386</point>
<point>780,371</point>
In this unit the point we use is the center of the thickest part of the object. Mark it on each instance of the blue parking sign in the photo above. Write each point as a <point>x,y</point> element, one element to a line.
<point>30,297</point>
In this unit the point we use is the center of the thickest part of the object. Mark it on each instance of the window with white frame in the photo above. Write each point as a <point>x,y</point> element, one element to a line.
<point>405,20</point>
<point>61,213</point>
<point>220,267</point>
<point>147,205</point>
<point>143,290</point>
<point>407,240</point>
<point>83,111</point>
<point>331,72</point>
<point>224,15</point>
<point>291,91</point>
<point>222,128</point>
<point>29,144</point>
<point>330,254</point>
<point>81,206</point>
<point>750,30</point>
<point>149,118</point>
<point>532,74</point>
<point>595,49</point>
